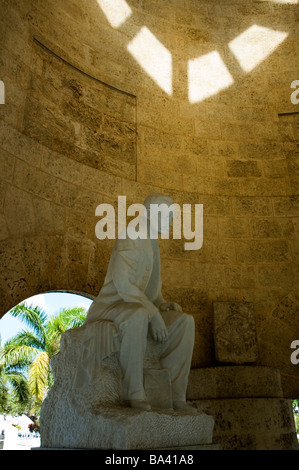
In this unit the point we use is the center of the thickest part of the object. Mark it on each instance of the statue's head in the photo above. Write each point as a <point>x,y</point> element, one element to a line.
<point>158,212</point>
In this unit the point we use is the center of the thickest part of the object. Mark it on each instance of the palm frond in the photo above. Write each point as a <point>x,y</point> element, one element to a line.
<point>67,318</point>
<point>31,350</point>
<point>3,397</point>
<point>38,375</point>
<point>78,317</point>
<point>18,355</point>
<point>19,384</point>
<point>25,338</point>
<point>33,316</point>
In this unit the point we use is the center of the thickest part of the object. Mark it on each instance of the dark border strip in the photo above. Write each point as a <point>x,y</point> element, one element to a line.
<point>288,114</point>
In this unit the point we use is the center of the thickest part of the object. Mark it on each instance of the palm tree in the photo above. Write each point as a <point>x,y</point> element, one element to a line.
<point>31,350</point>
<point>12,384</point>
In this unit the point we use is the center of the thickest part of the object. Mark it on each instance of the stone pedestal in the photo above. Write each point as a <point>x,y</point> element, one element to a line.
<point>234,382</point>
<point>246,400</point>
<point>122,428</point>
<point>94,416</point>
<point>157,386</point>
<point>252,423</point>
<point>248,407</point>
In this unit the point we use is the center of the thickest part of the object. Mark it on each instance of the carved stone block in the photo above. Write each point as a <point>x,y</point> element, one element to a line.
<point>93,415</point>
<point>234,332</point>
<point>157,387</point>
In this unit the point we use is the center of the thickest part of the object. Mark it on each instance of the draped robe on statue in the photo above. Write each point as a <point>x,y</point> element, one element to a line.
<point>119,319</point>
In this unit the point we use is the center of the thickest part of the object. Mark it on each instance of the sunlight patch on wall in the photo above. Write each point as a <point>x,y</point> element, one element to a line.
<point>207,75</point>
<point>254,45</point>
<point>293,2</point>
<point>116,11</point>
<point>153,57</point>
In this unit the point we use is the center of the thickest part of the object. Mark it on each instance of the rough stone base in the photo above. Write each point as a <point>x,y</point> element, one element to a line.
<point>93,416</point>
<point>122,428</point>
<point>234,382</point>
<point>247,405</point>
<point>252,423</point>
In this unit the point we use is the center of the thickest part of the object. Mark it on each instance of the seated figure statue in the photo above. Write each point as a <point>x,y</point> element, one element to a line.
<point>131,298</point>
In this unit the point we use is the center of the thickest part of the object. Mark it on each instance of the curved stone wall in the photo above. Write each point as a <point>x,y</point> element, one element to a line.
<point>102,102</point>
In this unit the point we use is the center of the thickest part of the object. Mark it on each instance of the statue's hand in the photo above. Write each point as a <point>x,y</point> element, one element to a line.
<point>158,329</point>
<point>170,306</point>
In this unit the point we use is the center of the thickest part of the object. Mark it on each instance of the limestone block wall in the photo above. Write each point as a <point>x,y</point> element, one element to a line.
<point>102,102</point>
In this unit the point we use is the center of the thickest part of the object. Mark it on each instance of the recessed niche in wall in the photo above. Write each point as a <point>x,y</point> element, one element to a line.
<point>79,116</point>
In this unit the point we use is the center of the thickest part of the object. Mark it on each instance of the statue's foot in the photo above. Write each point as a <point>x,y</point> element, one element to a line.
<point>140,404</point>
<point>184,407</point>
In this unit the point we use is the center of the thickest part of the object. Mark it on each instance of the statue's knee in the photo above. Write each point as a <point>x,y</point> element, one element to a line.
<point>139,316</point>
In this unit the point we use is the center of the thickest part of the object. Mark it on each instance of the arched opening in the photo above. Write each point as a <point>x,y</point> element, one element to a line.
<point>28,340</point>
<point>50,302</point>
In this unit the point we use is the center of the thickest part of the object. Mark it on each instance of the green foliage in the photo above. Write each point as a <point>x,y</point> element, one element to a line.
<point>25,372</point>
<point>13,385</point>
<point>295,403</point>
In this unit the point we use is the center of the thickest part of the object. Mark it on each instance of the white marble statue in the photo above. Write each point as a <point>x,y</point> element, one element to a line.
<point>132,301</point>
